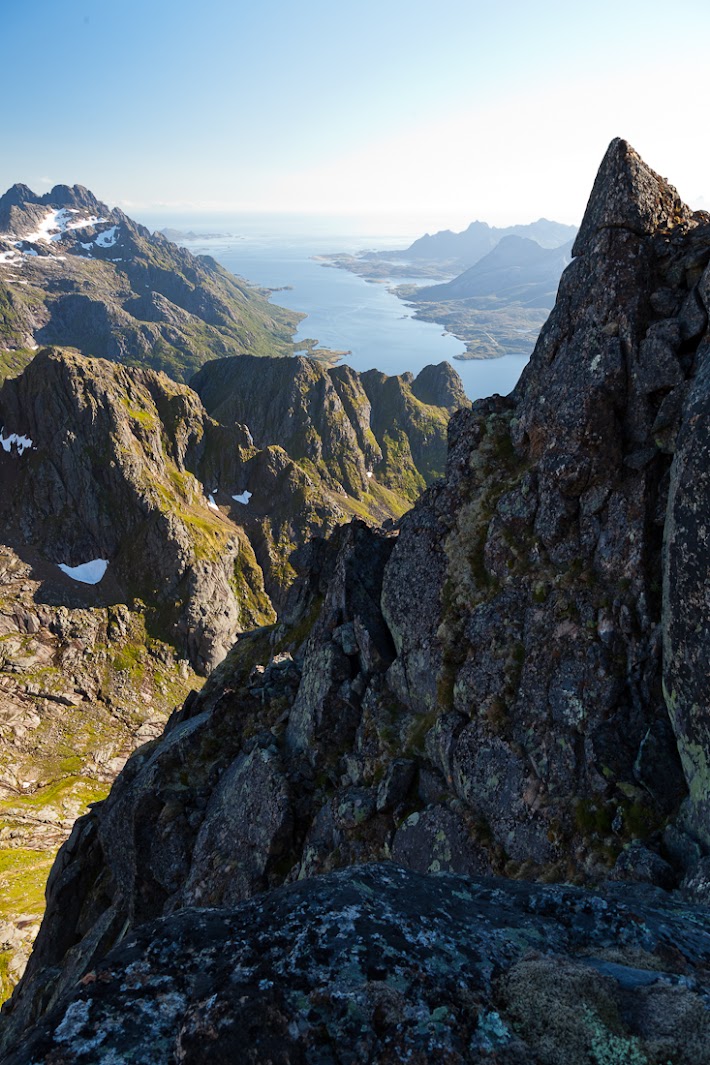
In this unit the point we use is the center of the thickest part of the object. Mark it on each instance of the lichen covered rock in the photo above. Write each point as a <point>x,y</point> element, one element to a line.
<point>377,963</point>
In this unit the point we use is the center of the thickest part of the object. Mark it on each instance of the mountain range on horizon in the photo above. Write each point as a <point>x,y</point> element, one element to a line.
<point>463,249</point>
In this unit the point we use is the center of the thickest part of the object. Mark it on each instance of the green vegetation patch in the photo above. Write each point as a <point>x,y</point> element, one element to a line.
<point>12,363</point>
<point>23,875</point>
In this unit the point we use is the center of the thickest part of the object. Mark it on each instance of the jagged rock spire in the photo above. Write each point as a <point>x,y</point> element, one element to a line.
<point>627,194</point>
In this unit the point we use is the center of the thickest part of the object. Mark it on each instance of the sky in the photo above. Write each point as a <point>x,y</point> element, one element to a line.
<point>445,111</point>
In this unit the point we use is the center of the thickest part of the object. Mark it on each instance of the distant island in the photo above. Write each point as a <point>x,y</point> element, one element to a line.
<point>494,287</point>
<point>179,236</point>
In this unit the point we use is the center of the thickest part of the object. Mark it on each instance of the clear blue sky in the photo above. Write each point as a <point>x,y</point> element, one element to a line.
<point>456,109</point>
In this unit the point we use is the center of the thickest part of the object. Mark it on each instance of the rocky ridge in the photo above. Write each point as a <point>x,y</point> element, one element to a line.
<point>512,684</point>
<point>77,274</point>
<point>110,474</point>
<point>191,519</point>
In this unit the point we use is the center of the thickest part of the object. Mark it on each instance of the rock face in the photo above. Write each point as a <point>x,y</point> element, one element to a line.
<point>627,194</point>
<point>478,690</point>
<point>687,603</point>
<point>348,426</point>
<point>75,273</point>
<point>110,475</point>
<point>382,964</point>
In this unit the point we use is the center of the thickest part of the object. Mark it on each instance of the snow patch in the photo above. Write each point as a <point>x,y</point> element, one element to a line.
<point>88,572</point>
<point>369,473</point>
<point>22,443</point>
<point>108,238</point>
<point>86,222</point>
<point>211,503</point>
<point>47,226</point>
<point>243,498</point>
<point>57,223</point>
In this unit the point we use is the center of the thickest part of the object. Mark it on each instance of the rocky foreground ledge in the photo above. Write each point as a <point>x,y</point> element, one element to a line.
<point>379,963</point>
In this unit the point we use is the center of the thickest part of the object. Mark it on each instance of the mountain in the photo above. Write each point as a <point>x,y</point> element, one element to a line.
<point>512,681</point>
<point>75,273</point>
<point>467,247</point>
<point>499,305</point>
<point>112,463</point>
<point>517,270</point>
<point>139,536</point>
<point>345,425</point>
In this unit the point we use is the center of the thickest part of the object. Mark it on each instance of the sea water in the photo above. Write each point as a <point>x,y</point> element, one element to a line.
<point>344,311</point>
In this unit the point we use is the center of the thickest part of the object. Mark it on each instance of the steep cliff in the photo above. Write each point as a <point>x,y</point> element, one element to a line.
<point>480,690</point>
<point>346,427</point>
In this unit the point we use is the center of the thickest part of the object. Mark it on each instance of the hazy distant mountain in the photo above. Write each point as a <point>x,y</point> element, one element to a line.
<point>517,269</point>
<point>480,238</point>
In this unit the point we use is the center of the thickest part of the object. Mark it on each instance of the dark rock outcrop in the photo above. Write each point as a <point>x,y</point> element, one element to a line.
<point>381,964</point>
<point>627,194</point>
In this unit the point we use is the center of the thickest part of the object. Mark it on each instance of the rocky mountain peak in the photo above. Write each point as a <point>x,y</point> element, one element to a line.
<point>78,274</point>
<point>16,195</point>
<point>440,385</point>
<point>627,194</point>
<point>76,196</point>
